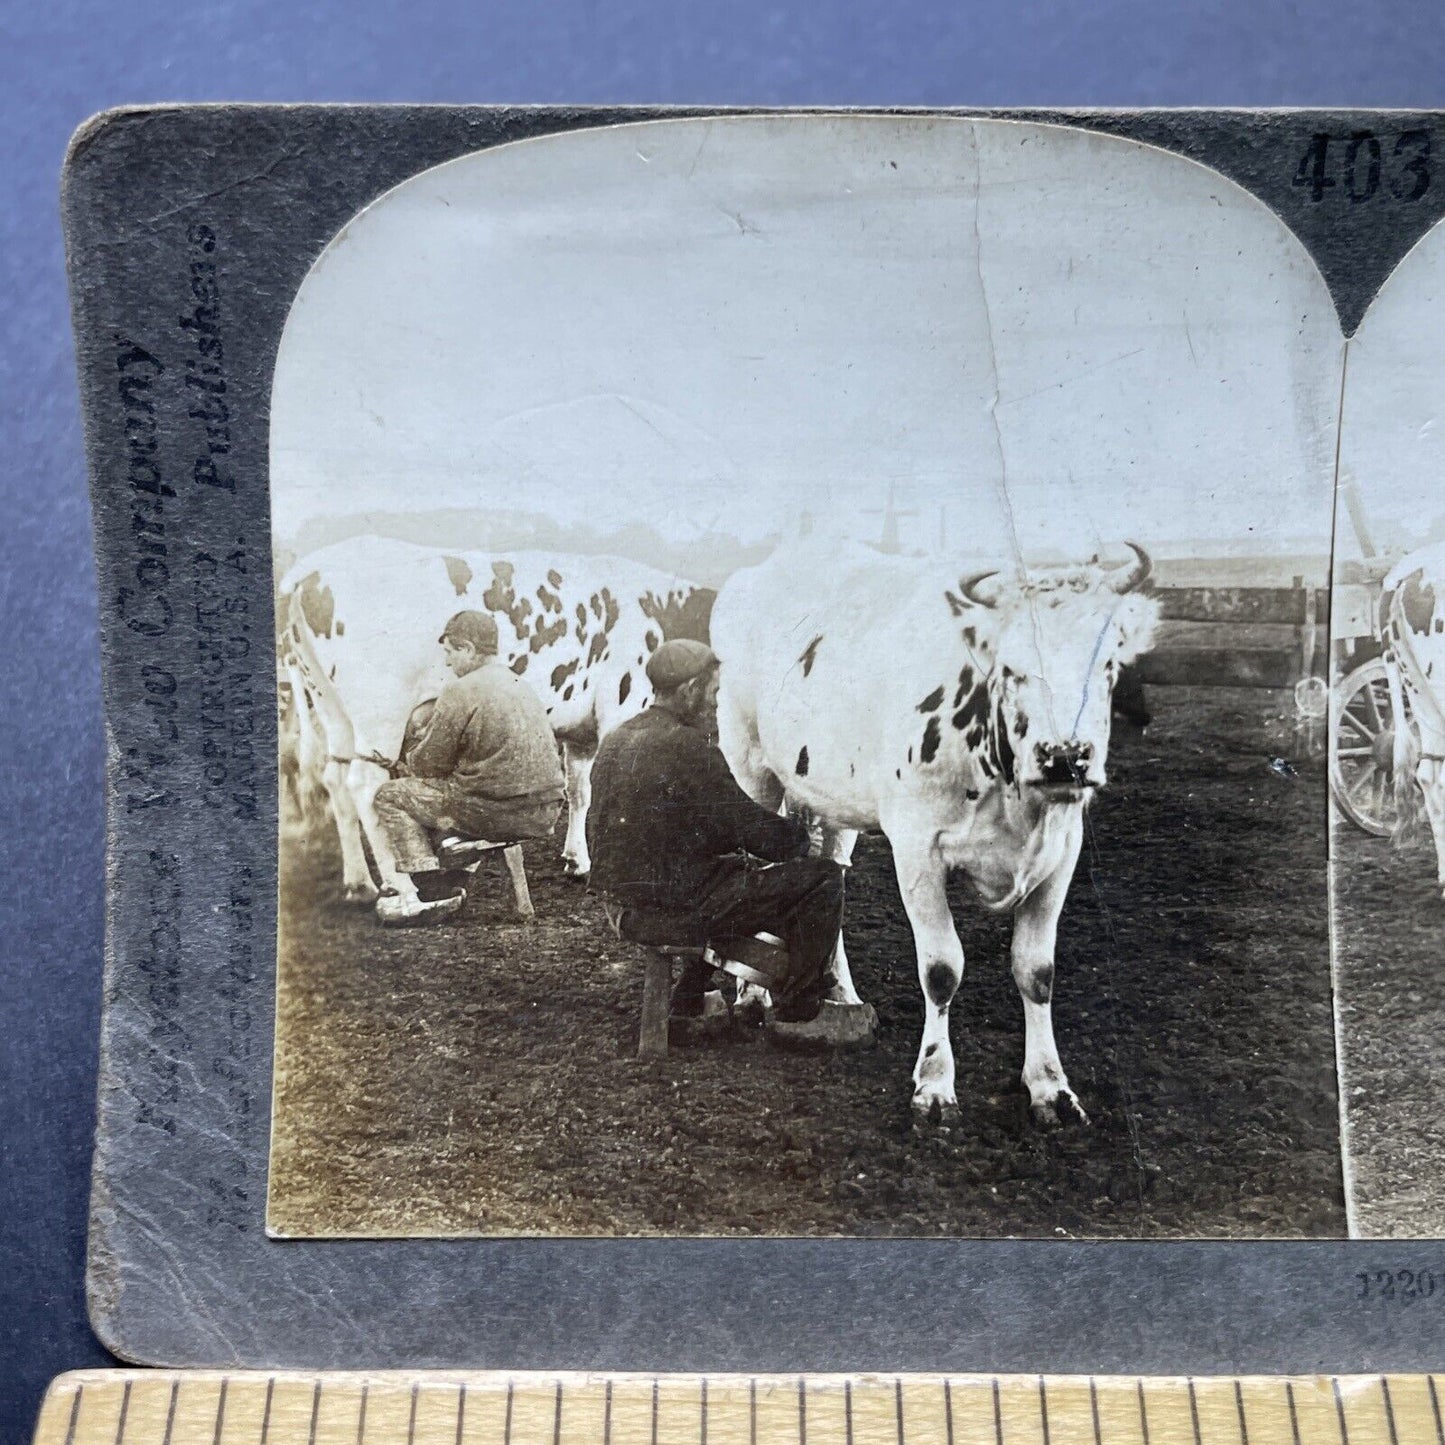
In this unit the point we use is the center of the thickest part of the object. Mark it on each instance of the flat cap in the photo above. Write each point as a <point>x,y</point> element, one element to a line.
<point>675,663</point>
<point>477,628</point>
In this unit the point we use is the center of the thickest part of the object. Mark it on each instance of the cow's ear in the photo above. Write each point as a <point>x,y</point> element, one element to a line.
<point>1137,617</point>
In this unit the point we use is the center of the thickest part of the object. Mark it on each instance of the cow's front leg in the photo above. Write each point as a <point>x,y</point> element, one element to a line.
<point>1036,924</point>
<point>921,881</point>
<point>577,760</point>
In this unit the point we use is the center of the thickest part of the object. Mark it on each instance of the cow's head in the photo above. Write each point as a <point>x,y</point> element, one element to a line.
<point>1048,654</point>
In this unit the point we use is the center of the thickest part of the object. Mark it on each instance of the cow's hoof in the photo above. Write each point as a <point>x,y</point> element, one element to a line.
<point>574,874</point>
<point>1060,1112</point>
<point>361,894</point>
<point>935,1110</point>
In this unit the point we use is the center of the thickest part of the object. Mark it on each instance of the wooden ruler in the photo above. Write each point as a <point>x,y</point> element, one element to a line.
<point>195,1407</point>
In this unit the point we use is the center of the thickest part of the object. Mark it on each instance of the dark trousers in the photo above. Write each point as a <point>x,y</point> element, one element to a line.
<point>801,901</point>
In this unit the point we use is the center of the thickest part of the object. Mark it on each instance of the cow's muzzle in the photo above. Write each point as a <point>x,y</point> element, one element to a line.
<point>1063,768</point>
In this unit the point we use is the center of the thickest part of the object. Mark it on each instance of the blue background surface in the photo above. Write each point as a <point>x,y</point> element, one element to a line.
<point>60,62</point>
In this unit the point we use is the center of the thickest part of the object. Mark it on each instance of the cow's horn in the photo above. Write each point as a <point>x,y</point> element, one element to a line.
<point>1136,576</point>
<point>969,587</point>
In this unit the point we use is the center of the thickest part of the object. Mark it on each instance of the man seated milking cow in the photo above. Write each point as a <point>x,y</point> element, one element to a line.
<point>481,762</point>
<point>684,851</point>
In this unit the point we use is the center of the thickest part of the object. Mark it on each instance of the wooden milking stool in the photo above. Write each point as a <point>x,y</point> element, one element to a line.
<point>760,959</point>
<point>467,853</point>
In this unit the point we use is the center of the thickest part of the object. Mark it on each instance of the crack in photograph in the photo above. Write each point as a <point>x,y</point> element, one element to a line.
<point>805,669</point>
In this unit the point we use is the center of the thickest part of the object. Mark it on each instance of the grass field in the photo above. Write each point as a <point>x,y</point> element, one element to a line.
<point>479,1077</point>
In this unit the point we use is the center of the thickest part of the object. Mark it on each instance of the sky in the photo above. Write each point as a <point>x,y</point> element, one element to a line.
<point>1392,444</point>
<point>1042,339</point>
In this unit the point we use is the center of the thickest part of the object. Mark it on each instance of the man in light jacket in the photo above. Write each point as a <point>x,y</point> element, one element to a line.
<point>483,765</point>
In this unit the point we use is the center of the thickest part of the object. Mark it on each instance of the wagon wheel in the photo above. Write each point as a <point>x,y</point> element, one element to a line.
<point>1362,750</point>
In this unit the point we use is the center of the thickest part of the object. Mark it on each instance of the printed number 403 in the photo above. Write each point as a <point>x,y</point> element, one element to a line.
<point>1401,164</point>
<point>1396,1284</point>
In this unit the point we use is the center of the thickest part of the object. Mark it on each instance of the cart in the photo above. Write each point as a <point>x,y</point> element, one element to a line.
<point>1365,708</point>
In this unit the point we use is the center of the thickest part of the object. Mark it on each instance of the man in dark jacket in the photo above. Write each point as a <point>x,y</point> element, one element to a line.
<point>670,831</point>
<point>482,763</point>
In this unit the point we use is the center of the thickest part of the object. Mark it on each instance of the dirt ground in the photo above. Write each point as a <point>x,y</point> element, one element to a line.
<point>1390,940</point>
<point>479,1077</point>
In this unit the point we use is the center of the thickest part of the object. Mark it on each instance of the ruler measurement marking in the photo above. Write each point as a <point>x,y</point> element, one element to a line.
<point>220,1414</point>
<point>74,1415</point>
<point>171,1413</point>
<point>1293,1416</point>
<point>83,1421</point>
<point>1389,1410</point>
<point>124,1411</point>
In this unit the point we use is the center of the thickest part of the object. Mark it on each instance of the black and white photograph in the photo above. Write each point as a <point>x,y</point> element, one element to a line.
<point>806,695</point>
<point>1387,760</point>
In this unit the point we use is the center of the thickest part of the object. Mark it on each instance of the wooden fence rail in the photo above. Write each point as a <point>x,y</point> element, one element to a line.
<point>1284,605</point>
<point>1239,637</point>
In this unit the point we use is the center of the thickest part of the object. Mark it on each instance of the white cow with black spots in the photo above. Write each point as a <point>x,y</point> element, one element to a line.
<point>1412,619</point>
<point>968,718</point>
<point>358,624</point>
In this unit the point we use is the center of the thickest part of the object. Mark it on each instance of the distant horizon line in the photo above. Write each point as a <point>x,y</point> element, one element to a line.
<point>1175,548</point>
